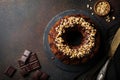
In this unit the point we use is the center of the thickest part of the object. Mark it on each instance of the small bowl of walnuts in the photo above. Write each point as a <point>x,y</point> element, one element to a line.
<point>102,7</point>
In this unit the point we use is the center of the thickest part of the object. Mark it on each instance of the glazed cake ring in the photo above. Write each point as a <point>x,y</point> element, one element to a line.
<point>66,32</point>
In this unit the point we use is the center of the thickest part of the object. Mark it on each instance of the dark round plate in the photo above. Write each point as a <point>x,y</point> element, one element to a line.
<point>73,68</point>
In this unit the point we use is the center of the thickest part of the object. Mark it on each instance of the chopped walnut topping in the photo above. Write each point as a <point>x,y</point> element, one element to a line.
<point>82,50</point>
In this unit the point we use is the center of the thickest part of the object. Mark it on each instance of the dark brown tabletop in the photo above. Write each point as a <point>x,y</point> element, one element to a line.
<point>22,25</point>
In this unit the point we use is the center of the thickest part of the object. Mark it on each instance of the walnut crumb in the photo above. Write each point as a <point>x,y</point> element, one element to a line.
<point>90,8</point>
<point>113,18</point>
<point>92,13</point>
<point>88,5</point>
<point>108,19</point>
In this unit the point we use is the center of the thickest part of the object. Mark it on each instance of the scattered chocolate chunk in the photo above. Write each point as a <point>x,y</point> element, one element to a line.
<point>31,64</point>
<point>10,71</point>
<point>44,76</point>
<point>37,74</point>
<point>23,72</point>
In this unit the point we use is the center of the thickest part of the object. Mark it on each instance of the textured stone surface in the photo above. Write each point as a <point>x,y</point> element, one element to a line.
<point>22,24</point>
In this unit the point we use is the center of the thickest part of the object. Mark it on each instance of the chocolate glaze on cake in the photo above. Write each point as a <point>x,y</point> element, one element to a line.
<point>73,37</point>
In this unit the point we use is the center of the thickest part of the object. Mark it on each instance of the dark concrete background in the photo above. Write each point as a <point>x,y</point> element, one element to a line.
<point>22,24</point>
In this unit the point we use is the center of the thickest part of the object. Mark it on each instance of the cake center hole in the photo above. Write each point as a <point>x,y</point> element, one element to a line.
<point>72,36</point>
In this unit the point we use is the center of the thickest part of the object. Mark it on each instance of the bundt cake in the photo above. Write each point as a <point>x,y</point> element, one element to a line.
<point>74,39</point>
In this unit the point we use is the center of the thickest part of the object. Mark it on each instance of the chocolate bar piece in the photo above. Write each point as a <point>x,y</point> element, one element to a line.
<point>23,59</point>
<point>33,57</point>
<point>20,63</point>
<point>37,74</point>
<point>25,56</point>
<point>23,72</point>
<point>27,53</point>
<point>35,65</point>
<point>44,76</point>
<point>10,71</point>
<point>31,64</point>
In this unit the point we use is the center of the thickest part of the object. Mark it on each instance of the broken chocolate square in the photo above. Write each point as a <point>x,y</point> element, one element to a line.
<point>44,76</point>
<point>23,72</point>
<point>36,75</point>
<point>25,56</point>
<point>10,71</point>
<point>27,53</point>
